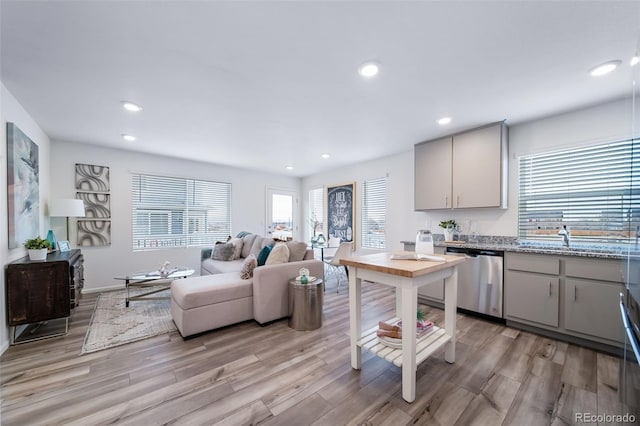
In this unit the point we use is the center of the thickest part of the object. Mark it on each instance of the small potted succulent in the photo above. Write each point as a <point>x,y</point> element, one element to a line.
<point>37,248</point>
<point>449,226</point>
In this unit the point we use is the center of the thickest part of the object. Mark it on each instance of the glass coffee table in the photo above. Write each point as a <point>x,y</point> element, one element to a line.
<point>152,279</point>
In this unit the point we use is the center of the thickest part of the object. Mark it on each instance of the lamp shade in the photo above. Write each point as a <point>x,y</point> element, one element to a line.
<point>67,207</point>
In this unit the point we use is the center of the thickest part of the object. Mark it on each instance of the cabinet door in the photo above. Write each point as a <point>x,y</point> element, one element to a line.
<point>592,307</point>
<point>477,168</point>
<point>435,290</point>
<point>531,297</point>
<point>432,184</point>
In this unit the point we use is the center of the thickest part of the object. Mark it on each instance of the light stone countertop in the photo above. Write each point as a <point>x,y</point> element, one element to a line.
<point>510,244</point>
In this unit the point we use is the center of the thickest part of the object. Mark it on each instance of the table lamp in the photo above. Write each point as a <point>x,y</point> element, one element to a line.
<point>67,207</point>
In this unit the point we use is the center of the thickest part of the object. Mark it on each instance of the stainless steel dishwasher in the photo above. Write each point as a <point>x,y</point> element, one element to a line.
<point>480,280</point>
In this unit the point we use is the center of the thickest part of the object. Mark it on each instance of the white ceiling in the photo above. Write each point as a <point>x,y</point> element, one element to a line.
<point>265,84</point>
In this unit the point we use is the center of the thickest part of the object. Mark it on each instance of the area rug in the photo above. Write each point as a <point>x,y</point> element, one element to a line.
<point>113,324</point>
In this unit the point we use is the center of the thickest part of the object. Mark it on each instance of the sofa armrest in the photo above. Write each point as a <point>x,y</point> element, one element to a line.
<point>271,287</point>
<point>205,253</point>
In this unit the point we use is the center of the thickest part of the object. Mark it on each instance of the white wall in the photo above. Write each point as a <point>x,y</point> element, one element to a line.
<point>605,122</point>
<point>11,111</point>
<point>102,264</point>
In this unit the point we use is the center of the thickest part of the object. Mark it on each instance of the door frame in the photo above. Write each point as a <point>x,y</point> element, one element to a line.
<point>295,218</point>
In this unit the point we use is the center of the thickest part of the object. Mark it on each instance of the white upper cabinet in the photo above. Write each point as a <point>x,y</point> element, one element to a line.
<point>465,170</point>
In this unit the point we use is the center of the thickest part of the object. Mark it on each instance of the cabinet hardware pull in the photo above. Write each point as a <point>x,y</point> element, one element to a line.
<point>549,288</point>
<point>446,201</point>
<point>575,292</point>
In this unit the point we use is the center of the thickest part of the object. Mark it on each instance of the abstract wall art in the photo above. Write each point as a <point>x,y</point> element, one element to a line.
<point>96,205</point>
<point>23,188</point>
<point>93,184</point>
<point>92,233</point>
<point>91,178</point>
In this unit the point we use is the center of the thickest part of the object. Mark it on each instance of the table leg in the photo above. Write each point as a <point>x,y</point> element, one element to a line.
<point>126,284</point>
<point>450,303</point>
<point>355,317</point>
<point>409,296</point>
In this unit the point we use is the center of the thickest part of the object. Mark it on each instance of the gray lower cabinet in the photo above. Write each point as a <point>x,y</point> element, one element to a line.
<point>592,295</point>
<point>572,295</point>
<point>591,307</point>
<point>532,297</point>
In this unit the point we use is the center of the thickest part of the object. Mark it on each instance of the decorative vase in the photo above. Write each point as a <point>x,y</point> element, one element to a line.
<point>448,234</point>
<point>38,254</point>
<point>52,240</point>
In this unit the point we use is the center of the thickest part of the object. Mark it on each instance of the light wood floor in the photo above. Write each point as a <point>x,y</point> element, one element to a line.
<point>273,375</point>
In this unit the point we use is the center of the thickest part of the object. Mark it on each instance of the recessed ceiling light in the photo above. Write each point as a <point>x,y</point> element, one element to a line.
<point>130,106</point>
<point>128,138</point>
<point>605,68</point>
<point>444,120</point>
<point>325,156</point>
<point>288,167</point>
<point>368,69</point>
<point>635,60</point>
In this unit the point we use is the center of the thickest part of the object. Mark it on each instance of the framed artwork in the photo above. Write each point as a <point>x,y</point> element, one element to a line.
<point>92,178</point>
<point>23,187</point>
<point>96,205</point>
<point>341,211</point>
<point>93,233</point>
<point>64,246</point>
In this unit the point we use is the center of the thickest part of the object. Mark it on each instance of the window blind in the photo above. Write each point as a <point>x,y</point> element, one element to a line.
<point>178,212</point>
<point>316,211</point>
<point>594,191</point>
<point>374,206</point>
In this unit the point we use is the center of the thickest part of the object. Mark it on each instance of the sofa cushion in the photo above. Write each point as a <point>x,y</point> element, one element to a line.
<point>210,266</point>
<point>247,243</point>
<point>279,254</point>
<point>223,251</point>
<point>237,247</point>
<point>248,266</point>
<point>206,290</point>
<point>297,250</point>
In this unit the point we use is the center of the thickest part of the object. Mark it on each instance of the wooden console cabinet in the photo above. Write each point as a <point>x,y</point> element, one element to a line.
<point>40,291</point>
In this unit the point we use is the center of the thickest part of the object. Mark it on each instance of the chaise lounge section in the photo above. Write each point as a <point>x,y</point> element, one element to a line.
<point>221,297</point>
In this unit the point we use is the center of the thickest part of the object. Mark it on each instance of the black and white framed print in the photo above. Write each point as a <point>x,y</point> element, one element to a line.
<point>341,211</point>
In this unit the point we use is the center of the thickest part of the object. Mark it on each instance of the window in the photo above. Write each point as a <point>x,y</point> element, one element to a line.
<point>177,212</point>
<point>594,191</point>
<point>374,206</point>
<point>316,211</point>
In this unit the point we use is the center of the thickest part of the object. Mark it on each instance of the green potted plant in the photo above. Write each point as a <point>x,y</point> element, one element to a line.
<point>448,226</point>
<point>37,248</point>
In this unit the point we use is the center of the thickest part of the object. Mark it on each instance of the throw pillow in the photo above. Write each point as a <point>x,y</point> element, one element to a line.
<point>297,250</point>
<point>237,247</point>
<point>248,266</point>
<point>263,255</point>
<point>223,251</point>
<point>247,243</point>
<point>279,254</point>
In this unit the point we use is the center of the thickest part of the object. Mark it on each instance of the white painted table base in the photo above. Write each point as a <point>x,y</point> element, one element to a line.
<point>406,306</point>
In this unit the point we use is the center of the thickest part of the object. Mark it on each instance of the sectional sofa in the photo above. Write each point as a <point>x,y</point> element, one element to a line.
<point>229,290</point>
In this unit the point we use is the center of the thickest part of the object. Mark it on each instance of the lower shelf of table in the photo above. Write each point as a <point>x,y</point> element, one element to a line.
<point>425,345</point>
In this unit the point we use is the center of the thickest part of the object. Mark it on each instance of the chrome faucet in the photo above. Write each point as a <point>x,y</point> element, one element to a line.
<point>565,235</point>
